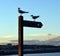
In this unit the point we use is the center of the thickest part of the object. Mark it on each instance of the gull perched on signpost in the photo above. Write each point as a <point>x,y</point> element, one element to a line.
<point>34,17</point>
<point>21,11</point>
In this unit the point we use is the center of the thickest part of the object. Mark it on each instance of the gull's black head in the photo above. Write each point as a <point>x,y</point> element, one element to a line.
<point>31,15</point>
<point>18,8</point>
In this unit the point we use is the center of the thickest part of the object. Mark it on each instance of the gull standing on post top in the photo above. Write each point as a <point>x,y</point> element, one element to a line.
<point>34,17</point>
<point>21,11</point>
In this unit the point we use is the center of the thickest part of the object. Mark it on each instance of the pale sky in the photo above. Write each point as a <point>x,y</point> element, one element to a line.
<point>49,11</point>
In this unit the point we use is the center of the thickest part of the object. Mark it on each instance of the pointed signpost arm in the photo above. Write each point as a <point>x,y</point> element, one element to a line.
<point>32,24</point>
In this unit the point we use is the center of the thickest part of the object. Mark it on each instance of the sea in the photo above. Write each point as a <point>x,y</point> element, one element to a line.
<point>41,54</point>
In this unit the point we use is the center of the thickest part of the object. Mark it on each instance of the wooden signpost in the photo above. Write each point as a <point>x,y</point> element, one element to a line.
<point>23,23</point>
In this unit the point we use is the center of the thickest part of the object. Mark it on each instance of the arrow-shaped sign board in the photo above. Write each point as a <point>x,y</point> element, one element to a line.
<point>32,24</point>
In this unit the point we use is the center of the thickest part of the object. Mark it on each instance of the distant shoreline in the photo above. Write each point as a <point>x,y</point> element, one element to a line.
<point>29,49</point>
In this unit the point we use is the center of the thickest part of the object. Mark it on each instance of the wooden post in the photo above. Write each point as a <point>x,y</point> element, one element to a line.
<point>20,35</point>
